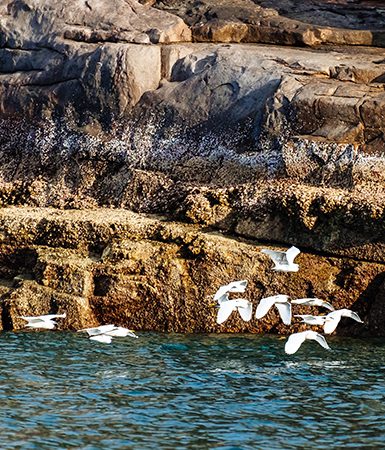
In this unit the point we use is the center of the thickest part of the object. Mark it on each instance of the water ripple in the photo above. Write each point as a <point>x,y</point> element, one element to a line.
<point>59,390</point>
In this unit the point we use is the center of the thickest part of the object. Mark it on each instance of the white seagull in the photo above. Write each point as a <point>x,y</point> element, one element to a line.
<point>105,333</point>
<point>227,306</point>
<point>313,302</point>
<point>295,341</point>
<point>311,320</point>
<point>281,302</point>
<point>333,319</point>
<point>46,322</point>
<point>235,286</point>
<point>284,261</point>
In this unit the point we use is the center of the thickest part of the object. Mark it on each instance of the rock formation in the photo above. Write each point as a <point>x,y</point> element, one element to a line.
<point>261,120</point>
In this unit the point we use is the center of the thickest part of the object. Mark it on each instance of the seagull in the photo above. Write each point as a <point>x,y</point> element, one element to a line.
<point>46,322</point>
<point>311,320</point>
<point>284,261</point>
<point>333,319</point>
<point>295,340</point>
<point>235,286</point>
<point>313,302</point>
<point>105,333</point>
<point>281,302</point>
<point>227,306</point>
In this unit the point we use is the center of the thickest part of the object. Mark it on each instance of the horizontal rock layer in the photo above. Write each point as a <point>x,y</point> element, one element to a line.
<point>286,22</point>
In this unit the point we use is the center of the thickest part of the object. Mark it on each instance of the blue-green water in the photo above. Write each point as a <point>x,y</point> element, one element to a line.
<point>60,390</point>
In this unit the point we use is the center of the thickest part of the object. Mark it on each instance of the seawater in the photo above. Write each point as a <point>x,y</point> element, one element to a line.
<point>58,390</point>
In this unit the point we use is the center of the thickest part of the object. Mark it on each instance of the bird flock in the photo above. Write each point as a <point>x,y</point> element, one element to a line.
<point>283,262</point>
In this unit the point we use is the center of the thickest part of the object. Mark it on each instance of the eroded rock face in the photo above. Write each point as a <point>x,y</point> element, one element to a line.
<point>151,274</point>
<point>109,104</point>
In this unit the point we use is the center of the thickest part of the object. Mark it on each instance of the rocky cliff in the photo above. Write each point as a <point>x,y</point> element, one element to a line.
<point>149,149</point>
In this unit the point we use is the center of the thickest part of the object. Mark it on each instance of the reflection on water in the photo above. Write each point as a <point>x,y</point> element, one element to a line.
<point>60,390</point>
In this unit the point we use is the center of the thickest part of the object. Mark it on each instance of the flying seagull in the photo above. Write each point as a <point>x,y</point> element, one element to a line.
<point>105,333</point>
<point>46,322</point>
<point>295,340</point>
<point>235,286</point>
<point>227,306</point>
<point>333,319</point>
<point>313,302</point>
<point>311,320</point>
<point>284,261</point>
<point>281,302</point>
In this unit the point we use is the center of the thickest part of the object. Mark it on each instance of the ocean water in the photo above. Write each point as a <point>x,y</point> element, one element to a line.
<point>167,391</point>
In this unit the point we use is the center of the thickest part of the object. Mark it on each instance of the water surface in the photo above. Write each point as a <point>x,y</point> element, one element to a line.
<point>228,392</point>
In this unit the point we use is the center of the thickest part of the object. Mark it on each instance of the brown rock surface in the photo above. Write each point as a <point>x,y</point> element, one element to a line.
<point>151,274</point>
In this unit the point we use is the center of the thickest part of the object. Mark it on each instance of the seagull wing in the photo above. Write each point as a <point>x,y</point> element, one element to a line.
<point>284,310</point>
<point>304,316</point>
<point>98,330</point>
<point>102,338</point>
<point>220,292</point>
<point>116,332</point>
<point>264,305</point>
<point>321,340</point>
<point>238,286</point>
<point>245,309</point>
<point>225,309</point>
<point>313,302</point>
<point>294,342</point>
<point>53,316</point>
<point>32,319</point>
<point>277,256</point>
<point>235,286</point>
<point>351,314</point>
<point>326,305</point>
<point>301,301</point>
<point>120,332</point>
<point>223,298</point>
<point>291,254</point>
